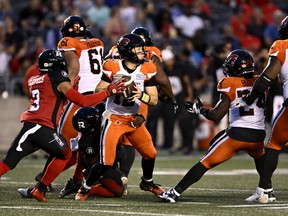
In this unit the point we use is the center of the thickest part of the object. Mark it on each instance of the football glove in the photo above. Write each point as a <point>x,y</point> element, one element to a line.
<point>244,101</point>
<point>115,88</point>
<point>138,121</point>
<point>194,107</point>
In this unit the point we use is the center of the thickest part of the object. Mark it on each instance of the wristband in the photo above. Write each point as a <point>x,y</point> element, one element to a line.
<point>145,98</point>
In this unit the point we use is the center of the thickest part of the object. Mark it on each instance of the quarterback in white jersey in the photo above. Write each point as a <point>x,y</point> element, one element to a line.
<point>120,113</point>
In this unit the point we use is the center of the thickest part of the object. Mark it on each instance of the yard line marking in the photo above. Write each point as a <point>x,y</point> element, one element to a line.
<point>256,205</point>
<point>233,172</point>
<point>87,210</point>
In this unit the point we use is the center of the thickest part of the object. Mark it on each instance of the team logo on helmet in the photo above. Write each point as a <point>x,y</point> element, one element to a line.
<point>64,73</point>
<point>232,59</point>
<point>124,41</point>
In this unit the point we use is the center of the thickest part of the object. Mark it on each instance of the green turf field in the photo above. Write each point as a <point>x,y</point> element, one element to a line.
<point>221,192</point>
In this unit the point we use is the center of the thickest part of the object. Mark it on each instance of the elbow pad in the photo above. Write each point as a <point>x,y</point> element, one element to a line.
<point>260,86</point>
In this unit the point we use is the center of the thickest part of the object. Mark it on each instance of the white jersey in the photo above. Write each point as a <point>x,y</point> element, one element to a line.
<point>114,70</point>
<point>90,54</point>
<point>252,116</point>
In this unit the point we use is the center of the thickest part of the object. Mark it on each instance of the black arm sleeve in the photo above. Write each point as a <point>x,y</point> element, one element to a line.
<point>260,86</point>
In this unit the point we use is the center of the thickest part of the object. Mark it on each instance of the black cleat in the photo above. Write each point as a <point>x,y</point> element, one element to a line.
<point>72,186</point>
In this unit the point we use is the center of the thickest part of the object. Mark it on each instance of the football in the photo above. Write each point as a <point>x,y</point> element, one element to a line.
<point>129,83</point>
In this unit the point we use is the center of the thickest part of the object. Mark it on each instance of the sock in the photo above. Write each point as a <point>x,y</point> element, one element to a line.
<point>127,162</point>
<point>78,173</point>
<point>270,164</point>
<point>259,162</point>
<point>71,161</point>
<point>192,176</point>
<point>3,168</point>
<point>53,170</point>
<point>148,167</point>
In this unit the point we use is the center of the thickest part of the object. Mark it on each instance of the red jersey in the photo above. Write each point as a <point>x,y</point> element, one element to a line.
<point>46,102</point>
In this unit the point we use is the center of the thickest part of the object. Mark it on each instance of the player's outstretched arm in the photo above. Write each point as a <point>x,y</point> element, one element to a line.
<point>93,99</point>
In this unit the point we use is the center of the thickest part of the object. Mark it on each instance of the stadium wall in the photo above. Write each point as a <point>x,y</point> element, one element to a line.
<point>10,112</point>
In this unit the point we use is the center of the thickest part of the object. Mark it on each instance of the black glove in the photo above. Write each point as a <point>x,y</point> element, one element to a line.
<point>194,107</point>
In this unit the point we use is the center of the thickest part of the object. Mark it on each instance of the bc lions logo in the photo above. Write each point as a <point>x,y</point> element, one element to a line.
<point>124,41</point>
<point>232,60</point>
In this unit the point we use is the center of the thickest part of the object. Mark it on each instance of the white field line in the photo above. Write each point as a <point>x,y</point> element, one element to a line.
<point>85,210</point>
<point>269,206</point>
<point>212,172</point>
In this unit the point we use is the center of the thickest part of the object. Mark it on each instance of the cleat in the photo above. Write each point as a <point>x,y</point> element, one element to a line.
<point>40,196</point>
<point>151,186</point>
<point>25,192</point>
<point>271,195</point>
<point>169,196</point>
<point>82,194</point>
<point>125,182</point>
<point>72,186</point>
<point>262,196</point>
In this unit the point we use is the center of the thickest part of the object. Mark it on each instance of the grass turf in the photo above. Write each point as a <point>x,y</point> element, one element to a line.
<point>222,191</point>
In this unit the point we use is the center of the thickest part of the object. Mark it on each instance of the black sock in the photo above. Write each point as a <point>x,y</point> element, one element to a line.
<point>148,167</point>
<point>270,164</point>
<point>259,163</point>
<point>127,162</point>
<point>42,187</point>
<point>192,176</point>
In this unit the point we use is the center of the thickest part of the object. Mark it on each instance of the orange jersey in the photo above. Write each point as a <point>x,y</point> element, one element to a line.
<point>114,70</point>
<point>248,117</point>
<point>279,136</point>
<point>151,51</point>
<point>90,54</point>
<point>279,50</point>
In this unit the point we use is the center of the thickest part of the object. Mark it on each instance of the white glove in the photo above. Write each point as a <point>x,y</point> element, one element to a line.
<point>194,107</point>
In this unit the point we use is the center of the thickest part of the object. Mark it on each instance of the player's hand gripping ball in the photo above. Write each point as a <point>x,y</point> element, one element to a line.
<point>129,83</point>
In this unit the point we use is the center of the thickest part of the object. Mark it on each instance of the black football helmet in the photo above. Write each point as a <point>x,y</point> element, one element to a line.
<point>127,43</point>
<point>73,26</point>
<point>145,34</point>
<point>239,63</point>
<point>283,30</point>
<point>51,60</point>
<point>86,120</point>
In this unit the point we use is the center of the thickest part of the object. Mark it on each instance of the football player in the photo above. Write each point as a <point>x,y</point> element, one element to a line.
<point>246,131</point>
<point>277,66</point>
<point>164,88</point>
<point>121,111</point>
<point>153,54</point>
<point>84,54</point>
<point>48,94</point>
<point>87,121</point>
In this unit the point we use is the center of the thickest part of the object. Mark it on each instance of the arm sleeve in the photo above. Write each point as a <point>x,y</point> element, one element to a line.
<point>87,100</point>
